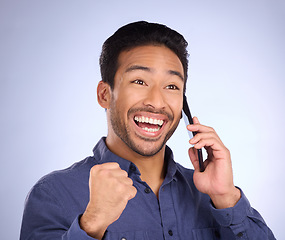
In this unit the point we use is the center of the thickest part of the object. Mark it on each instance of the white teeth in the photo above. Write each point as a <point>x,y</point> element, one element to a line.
<point>151,129</point>
<point>149,120</point>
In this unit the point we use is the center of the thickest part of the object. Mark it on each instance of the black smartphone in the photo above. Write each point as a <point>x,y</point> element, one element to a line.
<point>188,120</point>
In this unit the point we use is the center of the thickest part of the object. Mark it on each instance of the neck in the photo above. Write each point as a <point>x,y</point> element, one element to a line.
<point>153,173</point>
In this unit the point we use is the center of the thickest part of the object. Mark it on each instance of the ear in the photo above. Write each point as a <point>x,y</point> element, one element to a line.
<point>103,94</point>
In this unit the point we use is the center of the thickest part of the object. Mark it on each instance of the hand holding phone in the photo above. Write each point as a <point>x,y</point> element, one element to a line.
<point>189,120</point>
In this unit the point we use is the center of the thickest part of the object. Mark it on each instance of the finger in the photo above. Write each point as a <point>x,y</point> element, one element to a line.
<point>107,171</point>
<point>126,180</point>
<point>217,149</point>
<point>206,162</point>
<point>209,142</point>
<point>207,135</point>
<point>119,173</point>
<point>115,169</point>
<point>132,193</point>
<point>109,165</point>
<point>200,128</point>
<point>195,120</point>
<point>193,154</point>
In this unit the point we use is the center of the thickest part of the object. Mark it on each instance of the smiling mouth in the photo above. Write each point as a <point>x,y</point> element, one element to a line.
<point>148,124</point>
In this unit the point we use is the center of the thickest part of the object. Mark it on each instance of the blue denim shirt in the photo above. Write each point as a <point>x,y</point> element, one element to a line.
<point>55,204</point>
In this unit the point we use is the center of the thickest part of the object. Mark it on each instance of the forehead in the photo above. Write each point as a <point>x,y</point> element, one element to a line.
<point>151,56</point>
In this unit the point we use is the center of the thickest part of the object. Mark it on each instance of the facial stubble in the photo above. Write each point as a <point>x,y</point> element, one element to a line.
<point>122,130</point>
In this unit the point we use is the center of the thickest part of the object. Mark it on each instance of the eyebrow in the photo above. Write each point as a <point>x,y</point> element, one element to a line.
<point>138,67</point>
<point>147,69</point>
<point>176,73</point>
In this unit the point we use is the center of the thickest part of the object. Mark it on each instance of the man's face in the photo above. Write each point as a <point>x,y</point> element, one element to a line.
<point>146,101</point>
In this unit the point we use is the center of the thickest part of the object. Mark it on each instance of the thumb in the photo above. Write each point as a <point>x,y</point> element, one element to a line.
<point>193,154</point>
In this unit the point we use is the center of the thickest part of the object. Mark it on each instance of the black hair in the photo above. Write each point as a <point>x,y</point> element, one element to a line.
<point>140,34</point>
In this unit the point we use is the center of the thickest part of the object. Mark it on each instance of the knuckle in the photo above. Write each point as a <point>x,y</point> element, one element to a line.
<point>201,141</point>
<point>212,138</point>
<point>212,130</point>
<point>133,191</point>
<point>227,150</point>
<point>114,164</point>
<point>212,134</point>
<point>105,173</point>
<point>130,181</point>
<point>94,169</point>
<point>124,173</point>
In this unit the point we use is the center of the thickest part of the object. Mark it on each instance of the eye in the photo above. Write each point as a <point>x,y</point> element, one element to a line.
<point>172,87</point>
<point>140,82</point>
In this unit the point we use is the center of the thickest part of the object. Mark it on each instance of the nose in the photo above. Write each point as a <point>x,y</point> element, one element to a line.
<point>155,98</point>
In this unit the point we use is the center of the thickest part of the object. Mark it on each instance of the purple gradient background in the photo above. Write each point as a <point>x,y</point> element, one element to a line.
<point>49,73</point>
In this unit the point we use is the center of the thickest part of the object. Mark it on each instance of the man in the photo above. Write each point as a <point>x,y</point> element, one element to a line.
<point>132,188</point>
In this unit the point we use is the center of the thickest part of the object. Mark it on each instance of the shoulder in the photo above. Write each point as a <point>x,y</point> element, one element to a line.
<point>73,176</point>
<point>62,189</point>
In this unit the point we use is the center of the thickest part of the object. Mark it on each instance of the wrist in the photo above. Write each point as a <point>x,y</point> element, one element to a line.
<point>227,200</point>
<point>92,225</point>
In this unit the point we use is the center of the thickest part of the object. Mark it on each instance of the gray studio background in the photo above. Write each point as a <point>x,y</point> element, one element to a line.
<point>49,71</point>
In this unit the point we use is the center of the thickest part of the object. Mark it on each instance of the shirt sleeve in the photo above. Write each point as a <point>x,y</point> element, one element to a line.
<point>75,232</point>
<point>244,221</point>
<point>45,218</point>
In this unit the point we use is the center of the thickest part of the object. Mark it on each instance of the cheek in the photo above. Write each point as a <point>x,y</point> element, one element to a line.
<point>124,101</point>
<point>131,97</point>
<point>176,107</point>
<point>120,97</point>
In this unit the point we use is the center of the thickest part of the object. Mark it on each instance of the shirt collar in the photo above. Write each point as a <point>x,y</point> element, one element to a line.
<point>103,155</point>
<point>171,165</point>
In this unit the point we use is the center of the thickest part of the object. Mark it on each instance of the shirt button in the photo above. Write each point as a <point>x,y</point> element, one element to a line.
<point>133,168</point>
<point>240,234</point>
<point>147,190</point>
<point>123,238</point>
<point>170,233</point>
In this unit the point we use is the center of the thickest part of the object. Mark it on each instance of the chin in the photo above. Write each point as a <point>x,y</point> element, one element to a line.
<point>147,147</point>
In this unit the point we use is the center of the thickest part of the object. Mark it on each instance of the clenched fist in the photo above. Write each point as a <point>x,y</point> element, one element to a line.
<point>110,190</point>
